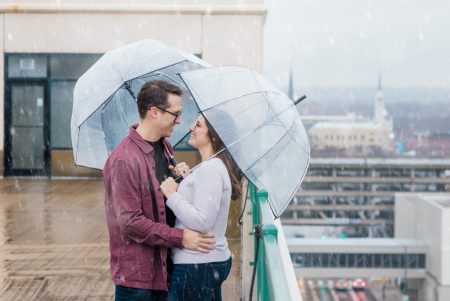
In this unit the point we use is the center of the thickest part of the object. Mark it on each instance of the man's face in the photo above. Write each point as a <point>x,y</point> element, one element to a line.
<point>167,118</point>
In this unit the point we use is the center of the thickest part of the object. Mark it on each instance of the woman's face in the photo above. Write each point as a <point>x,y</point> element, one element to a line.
<point>199,133</point>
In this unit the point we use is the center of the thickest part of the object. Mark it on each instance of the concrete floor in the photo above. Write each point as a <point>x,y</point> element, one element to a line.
<point>54,242</point>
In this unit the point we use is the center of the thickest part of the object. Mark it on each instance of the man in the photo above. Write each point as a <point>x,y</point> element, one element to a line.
<point>140,225</point>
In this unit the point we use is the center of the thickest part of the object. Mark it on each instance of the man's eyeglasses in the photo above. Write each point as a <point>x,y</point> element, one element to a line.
<point>176,115</point>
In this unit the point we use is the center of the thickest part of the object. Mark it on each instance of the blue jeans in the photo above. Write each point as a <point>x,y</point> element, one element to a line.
<point>137,294</point>
<point>198,282</point>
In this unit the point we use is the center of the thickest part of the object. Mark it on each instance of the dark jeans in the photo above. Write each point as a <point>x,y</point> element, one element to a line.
<point>198,282</point>
<point>137,294</point>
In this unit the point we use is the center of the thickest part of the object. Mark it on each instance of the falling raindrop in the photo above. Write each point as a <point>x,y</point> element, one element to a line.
<point>216,275</point>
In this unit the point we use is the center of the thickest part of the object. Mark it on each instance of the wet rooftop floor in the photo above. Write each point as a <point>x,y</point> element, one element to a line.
<point>54,242</point>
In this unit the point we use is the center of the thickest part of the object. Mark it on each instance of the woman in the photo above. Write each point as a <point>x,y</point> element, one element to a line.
<point>201,202</point>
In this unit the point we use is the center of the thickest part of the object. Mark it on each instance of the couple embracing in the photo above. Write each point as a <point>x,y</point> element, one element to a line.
<point>167,240</point>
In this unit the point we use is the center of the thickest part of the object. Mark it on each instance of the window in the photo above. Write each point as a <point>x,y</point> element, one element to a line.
<point>27,66</point>
<point>333,260</point>
<point>389,172</point>
<point>350,172</point>
<point>70,66</point>
<point>319,172</point>
<point>397,260</point>
<point>61,110</point>
<point>65,69</point>
<point>59,72</point>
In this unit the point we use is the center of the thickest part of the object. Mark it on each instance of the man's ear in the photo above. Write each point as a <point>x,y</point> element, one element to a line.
<point>152,113</point>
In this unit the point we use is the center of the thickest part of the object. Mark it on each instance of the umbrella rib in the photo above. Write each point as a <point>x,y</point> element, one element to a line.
<point>249,132</point>
<point>275,144</point>
<point>185,135</point>
<point>106,102</point>
<point>260,157</point>
<point>190,91</point>
<point>261,90</point>
<point>234,98</point>
<point>259,127</point>
<point>296,188</point>
<point>131,79</point>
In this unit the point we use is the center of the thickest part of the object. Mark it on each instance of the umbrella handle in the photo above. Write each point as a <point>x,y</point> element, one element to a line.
<point>299,100</point>
<point>173,160</point>
<point>179,179</point>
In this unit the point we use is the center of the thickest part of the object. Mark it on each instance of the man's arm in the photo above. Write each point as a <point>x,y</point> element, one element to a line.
<point>127,205</point>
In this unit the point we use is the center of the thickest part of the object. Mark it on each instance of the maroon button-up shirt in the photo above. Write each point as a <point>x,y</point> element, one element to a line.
<point>138,244</point>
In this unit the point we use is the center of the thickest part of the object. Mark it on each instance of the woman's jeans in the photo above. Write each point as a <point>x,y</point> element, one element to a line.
<point>199,282</point>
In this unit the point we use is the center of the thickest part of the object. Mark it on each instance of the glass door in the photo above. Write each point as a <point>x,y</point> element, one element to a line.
<point>27,137</point>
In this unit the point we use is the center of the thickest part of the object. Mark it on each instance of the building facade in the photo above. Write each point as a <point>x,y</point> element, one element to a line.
<point>355,135</point>
<point>358,194</point>
<point>427,217</point>
<point>47,46</point>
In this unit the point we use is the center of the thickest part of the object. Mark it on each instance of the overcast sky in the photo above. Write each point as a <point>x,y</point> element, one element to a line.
<point>348,42</point>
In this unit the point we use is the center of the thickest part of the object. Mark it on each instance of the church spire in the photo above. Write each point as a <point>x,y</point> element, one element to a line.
<point>291,84</point>
<point>379,81</point>
<point>379,103</point>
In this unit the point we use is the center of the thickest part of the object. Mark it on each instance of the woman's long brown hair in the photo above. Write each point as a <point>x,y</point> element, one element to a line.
<point>234,171</point>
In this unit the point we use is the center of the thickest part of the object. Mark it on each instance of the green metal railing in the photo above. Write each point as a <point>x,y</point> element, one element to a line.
<point>272,282</point>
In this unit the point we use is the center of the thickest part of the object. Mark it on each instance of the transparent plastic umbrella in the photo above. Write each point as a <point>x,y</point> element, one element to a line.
<point>259,125</point>
<point>104,105</point>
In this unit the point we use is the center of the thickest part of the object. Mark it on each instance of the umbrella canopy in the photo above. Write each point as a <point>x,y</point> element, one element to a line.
<point>259,125</point>
<point>104,101</point>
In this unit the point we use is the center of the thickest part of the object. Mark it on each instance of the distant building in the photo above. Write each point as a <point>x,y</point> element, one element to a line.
<point>363,136</point>
<point>344,135</point>
<point>427,217</point>
<point>435,144</point>
<point>359,193</point>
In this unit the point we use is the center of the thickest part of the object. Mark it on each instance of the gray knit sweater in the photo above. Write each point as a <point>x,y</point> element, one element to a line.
<point>202,203</point>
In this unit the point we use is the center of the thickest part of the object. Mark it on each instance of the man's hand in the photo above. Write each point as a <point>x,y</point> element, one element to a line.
<point>196,241</point>
<point>168,187</point>
<point>179,169</point>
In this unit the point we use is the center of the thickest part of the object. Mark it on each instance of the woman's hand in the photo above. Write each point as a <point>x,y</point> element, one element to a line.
<point>180,169</point>
<point>168,187</point>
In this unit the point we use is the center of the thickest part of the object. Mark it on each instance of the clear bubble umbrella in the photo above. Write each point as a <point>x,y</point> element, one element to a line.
<point>104,101</point>
<point>259,125</point>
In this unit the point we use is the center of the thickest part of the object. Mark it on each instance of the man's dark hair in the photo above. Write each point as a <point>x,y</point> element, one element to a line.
<point>154,94</point>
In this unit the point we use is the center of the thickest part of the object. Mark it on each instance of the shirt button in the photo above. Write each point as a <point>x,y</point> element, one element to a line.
<point>162,213</point>
<point>153,167</point>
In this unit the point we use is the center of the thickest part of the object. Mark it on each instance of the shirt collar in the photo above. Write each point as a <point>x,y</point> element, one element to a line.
<point>140,142</point>
<point>144,145</point>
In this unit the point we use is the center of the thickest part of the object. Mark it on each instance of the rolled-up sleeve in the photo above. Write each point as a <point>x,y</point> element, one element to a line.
<point>127,205</point>
<point>208,188</point>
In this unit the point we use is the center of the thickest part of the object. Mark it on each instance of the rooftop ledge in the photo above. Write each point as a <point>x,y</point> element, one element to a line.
<point>236,9</point>
<point>275,277</point>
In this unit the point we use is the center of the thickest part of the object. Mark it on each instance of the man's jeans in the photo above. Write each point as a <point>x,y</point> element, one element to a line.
<point>199,282</point>
<point>136,294</point>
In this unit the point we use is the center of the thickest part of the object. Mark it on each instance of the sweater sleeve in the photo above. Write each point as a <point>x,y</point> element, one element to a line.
<point>208,188</point>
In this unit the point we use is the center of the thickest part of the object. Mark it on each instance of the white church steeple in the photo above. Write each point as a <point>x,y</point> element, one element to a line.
<point>379,103</point>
